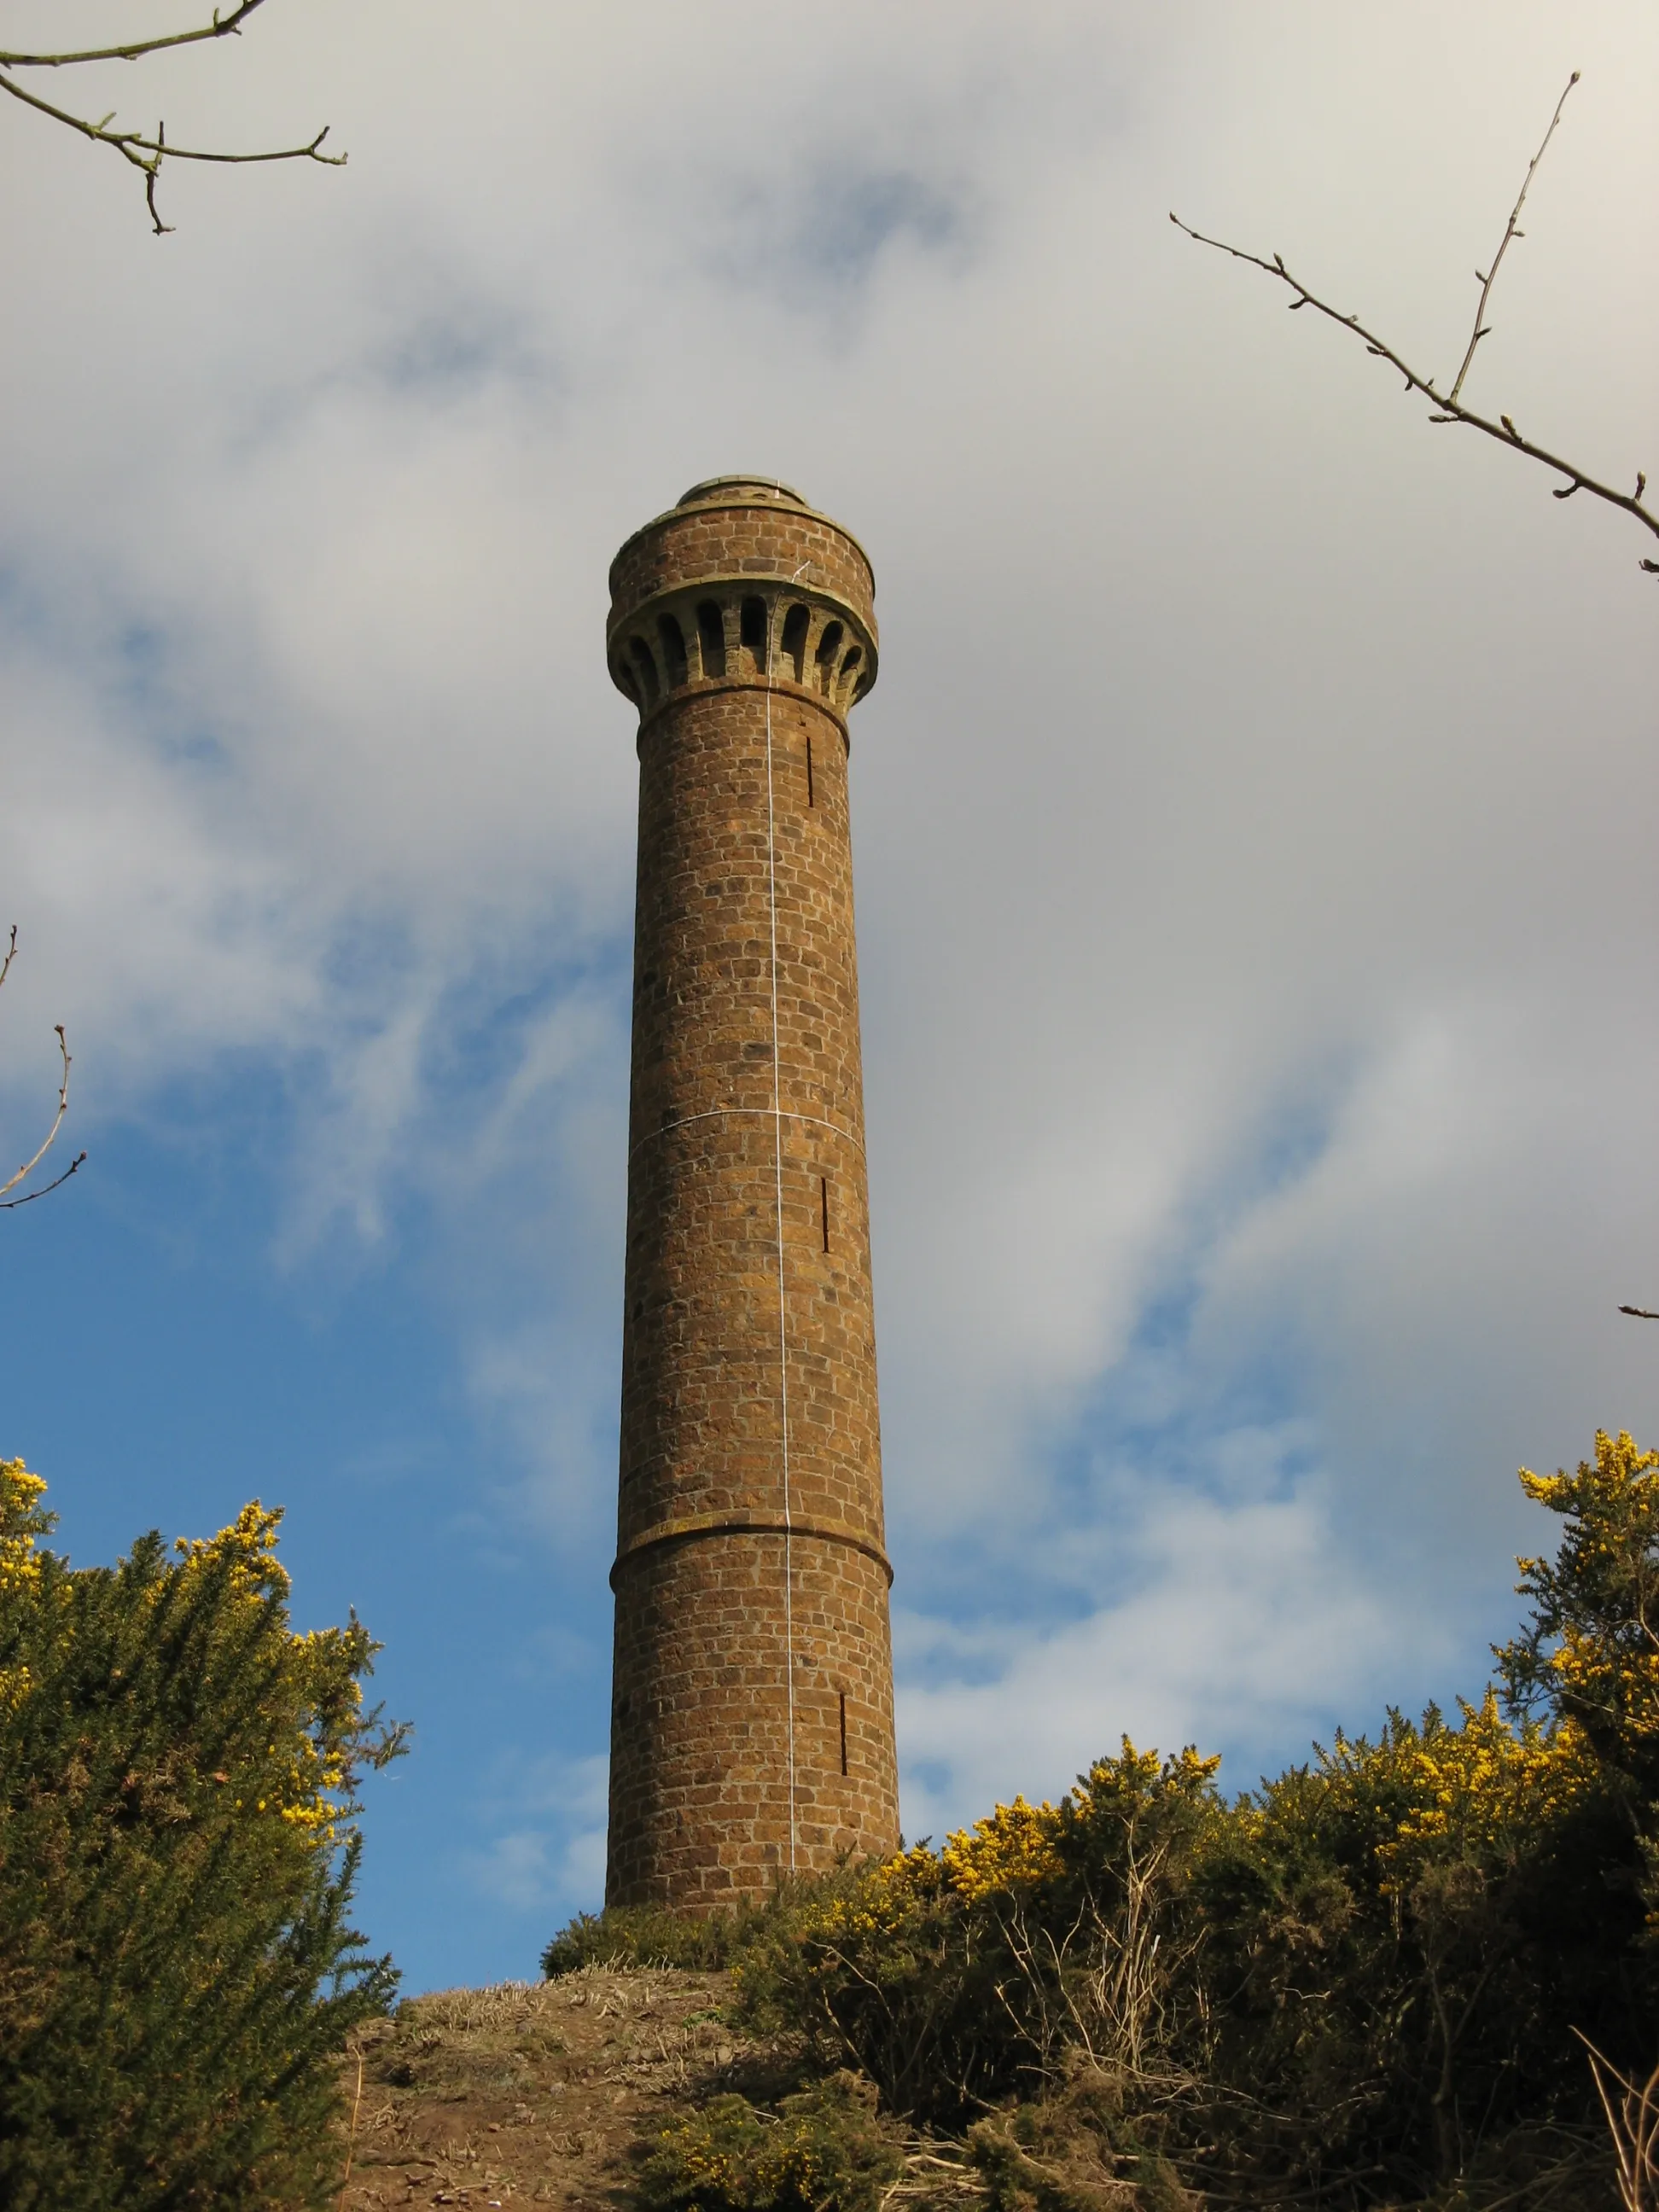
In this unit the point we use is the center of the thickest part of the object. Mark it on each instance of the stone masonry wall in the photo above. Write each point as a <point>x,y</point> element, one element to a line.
<point>751,1723</point>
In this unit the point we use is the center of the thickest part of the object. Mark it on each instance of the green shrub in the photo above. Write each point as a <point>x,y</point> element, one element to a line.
<point>823,2150</point>
<point>1361,1983</point>
<point>1073,2153</point>
<point>651,1935</point>
<point>639,1935</point>
<point>960,1978</point>
<point>177,1972</point>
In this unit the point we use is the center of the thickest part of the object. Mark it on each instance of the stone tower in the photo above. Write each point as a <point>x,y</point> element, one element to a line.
<point>751,1723</point>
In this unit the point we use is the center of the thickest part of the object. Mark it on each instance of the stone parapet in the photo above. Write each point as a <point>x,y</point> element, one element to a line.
<point>742,583</point>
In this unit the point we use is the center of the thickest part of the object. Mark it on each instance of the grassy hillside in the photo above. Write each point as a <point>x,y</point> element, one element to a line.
<point>556,2093</point>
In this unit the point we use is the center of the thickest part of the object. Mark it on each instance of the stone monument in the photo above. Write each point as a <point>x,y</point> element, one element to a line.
<point>752,1729</point>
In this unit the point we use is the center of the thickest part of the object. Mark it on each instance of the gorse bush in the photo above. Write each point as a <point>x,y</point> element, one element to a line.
<point>177,1972</point>
<point>959,1978</point>
<point>642,1935</point>
<point>822,2150</point>
<point>1076,2151</point>
<point>1361,1983</point>
<point>651,1936</point>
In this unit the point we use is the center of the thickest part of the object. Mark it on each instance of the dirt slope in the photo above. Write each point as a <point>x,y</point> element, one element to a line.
<point>534,2093</point>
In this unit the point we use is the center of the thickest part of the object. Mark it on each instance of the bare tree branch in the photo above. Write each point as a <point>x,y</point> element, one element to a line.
<point>51,1137</point>
<point>146,154</point>
<point>1510,230</point>
<point>1448,407</point>
<point>1640,1312</point>
<point>29,1165</point>
<point>29,1196</point>
<point>226,26</point>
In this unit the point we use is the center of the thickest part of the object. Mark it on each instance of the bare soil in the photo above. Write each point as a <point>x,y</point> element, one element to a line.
<point>543,2092</point>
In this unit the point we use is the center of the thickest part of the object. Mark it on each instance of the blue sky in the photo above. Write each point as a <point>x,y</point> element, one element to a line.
<point>1253,833</point>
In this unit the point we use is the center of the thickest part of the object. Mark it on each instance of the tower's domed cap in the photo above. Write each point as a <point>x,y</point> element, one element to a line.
<point>716,490</point>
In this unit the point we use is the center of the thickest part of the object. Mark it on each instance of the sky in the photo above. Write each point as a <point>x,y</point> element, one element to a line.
<point>1253,830</point>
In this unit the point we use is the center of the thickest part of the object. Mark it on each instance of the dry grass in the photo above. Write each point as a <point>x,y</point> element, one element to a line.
<point>539,2092</point>
<point>550,2093</point>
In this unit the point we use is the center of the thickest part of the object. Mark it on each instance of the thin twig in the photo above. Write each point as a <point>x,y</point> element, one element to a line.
<point>29,1166</point>
<point>29,1196</point>
<point>145,154</point>
<point>226,26</point>
<point>1510,230</point>
<point>1448,406</point>
<point>133,143</point>
<point>1642,1313</point>
<point>351,2139</point>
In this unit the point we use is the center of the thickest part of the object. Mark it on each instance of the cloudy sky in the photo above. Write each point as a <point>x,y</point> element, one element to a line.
<point>1255,833</point>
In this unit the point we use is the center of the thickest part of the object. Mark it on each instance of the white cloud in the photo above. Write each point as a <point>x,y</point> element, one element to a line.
<point>1253,819</point>
<point>1242,1624</point>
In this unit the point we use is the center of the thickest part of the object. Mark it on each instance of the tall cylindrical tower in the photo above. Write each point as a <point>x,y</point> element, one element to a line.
<point>751,1725</point>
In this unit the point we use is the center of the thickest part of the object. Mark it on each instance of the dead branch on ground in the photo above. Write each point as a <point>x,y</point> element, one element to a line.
<point>1448,406</point>
<point>146,153</point>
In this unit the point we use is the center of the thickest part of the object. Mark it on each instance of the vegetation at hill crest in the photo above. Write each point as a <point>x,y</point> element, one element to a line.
<point>1367,1982</point>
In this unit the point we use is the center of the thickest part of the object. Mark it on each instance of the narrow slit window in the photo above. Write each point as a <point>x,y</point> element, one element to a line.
<point>824,1206</point>
<point>843,1731</point>
<point>811,794</point>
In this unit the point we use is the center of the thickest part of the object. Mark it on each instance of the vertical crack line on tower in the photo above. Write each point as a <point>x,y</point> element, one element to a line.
<point>783,1306</point>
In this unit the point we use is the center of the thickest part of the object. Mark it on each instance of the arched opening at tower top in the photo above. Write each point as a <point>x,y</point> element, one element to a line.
<point>673,649</point>
<point>828,647</point>
<point>711,638</point>
<point>645,670</point>
<point>751,632</point>
<point>795,624</point>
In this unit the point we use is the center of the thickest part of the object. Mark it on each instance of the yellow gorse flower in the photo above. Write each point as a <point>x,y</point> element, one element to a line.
<point>1483,1786</point>
<point>22,1521</point>
<point>1013,1848</point>
<point>21,1493</point>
